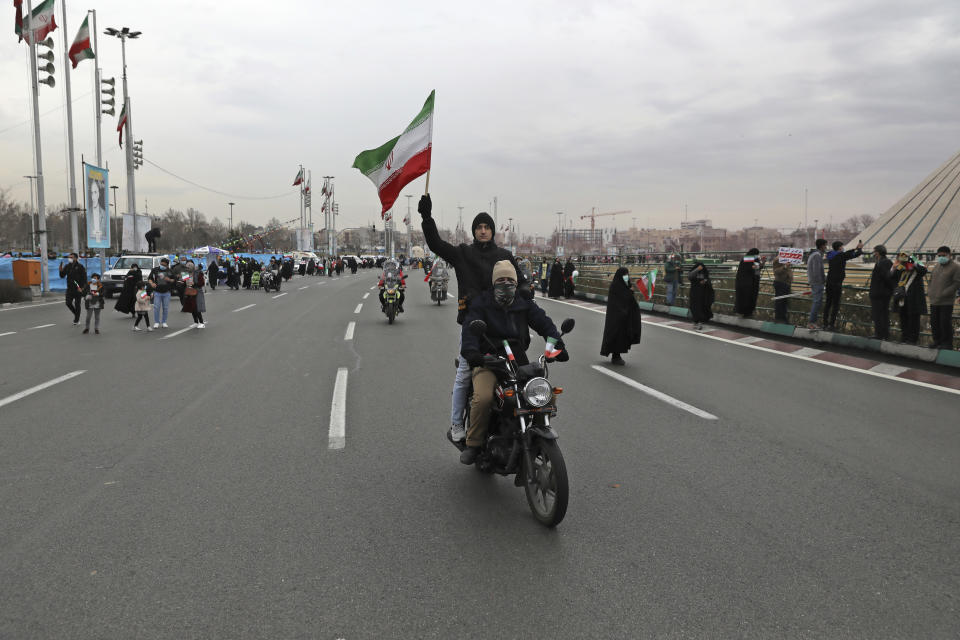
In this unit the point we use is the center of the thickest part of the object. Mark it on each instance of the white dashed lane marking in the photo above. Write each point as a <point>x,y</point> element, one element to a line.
<point>337,434</point>
<point>40,387</point>
<point>246,307</point>
<point>350,328</point>
<point>359,306</point>
<point>659,395</point>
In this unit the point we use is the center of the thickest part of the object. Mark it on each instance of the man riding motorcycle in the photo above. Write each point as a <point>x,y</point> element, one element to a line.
<point>392,269</point>
<point>473,265</point>
<point>508,317</point>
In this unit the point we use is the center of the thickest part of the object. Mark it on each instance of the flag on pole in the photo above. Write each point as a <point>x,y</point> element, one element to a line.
<point>18,20</point>
<point>647,283</point>
<point>299,178</point>
<point>123,121</point>
<point>40,23</point>
<point>395,164</point>
<point>81,49</point>
<point>510,356</point>
<point>550,349</point>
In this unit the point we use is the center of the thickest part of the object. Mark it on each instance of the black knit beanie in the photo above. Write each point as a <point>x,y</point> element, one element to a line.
<point>484,217</point>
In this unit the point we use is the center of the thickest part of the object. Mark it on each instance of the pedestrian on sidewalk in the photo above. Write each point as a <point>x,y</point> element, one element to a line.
<point>621,326</point>
<point>747,283</point>
<point>701,295</point>
<point>93,302</point>
<point>837,259</point>
<point>881,289</point>
<point>142,306</point>
<point>908,296</point>
<point>816,278</point>
<point>944,284</point>
<point>160,282</point>
<point>555,289</point>
<point>673,271</point>
<point>782,284</point>
<point>568,277</point>
<point>76,277</point>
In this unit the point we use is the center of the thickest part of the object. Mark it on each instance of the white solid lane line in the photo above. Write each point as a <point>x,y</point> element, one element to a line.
<point>8,333</point>
<point>40,387</point>
<point>246,307</point>
<point>42,326</point>
<point>175,333</point>
<point>806,353</point>
<point>280,295</point>
<point>366,295</point>
<point>337,434</point>
<point>30,306</point>
<point>350,328</point>
<point>659,395</point>
<point>359,306</point>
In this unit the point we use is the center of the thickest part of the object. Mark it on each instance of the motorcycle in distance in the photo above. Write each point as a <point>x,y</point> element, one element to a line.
<point>519,438</point>
<point>391,296</point>
<point>438,280</point>
<point>270,280</point>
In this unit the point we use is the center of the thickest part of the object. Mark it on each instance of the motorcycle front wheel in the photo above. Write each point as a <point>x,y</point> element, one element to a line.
<point>549,490</point>
<point>391,313</point>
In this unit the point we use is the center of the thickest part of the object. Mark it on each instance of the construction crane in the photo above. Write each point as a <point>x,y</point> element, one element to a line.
<point>593,215</point>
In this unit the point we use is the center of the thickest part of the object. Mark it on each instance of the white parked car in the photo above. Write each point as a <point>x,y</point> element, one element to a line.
<point>113,279</point>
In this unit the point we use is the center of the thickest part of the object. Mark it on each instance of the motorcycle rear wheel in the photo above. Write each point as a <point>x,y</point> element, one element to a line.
<point>547,495</point>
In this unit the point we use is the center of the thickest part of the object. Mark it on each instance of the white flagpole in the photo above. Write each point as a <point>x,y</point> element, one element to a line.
<point>74,233</point>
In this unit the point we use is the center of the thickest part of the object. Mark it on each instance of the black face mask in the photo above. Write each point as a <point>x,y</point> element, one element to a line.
<point>504,293</point>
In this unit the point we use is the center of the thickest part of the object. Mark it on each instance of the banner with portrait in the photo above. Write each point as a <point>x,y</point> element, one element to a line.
<point>96,187</point>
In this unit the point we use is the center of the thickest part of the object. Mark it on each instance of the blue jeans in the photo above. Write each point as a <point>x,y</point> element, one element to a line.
<point>816,301</point>
<point>161,301</point>
<point>672,289</point>
<point>461,387</point>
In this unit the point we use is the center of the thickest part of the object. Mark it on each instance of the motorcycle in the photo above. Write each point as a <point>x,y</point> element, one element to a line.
<point>270,280</point>
<point>438,280</point>
<point>391,298</point>
<point>519,438</point>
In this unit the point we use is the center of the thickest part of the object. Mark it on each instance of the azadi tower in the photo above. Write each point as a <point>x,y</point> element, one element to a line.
<point>924,219</point>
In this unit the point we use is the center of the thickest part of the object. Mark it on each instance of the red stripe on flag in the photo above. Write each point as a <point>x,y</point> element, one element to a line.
<point>415,167</point>
<point>77,48</point>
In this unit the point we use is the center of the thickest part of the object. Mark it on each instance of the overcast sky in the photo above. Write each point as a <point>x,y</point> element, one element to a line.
<point>729,108</point>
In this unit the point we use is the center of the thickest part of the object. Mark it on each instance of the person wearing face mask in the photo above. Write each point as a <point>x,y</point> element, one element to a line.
<point>908,296</point>
<point>194,302</point>
<point>76,277</point>
<point>93,302</point>
<point>508,317</point>
<point>621,326</point>
<point>160,282</point>
<point>473,265</point>
<point>944,283</point>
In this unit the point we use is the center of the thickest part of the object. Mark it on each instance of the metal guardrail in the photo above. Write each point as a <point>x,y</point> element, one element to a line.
<point>853,317</point>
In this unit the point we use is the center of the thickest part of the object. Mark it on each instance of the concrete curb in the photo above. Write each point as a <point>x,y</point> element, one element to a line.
<point>939,356</point>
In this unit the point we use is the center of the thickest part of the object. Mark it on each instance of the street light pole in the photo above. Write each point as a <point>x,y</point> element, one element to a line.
<point>559,231</point>
<point>41,211</point>
<point>231,215</point>
<point>123,34</point>
<point>116,217</point>
<point>33,233</point>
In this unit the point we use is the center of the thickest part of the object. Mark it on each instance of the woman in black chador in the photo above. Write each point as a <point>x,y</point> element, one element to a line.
<point>701,294</point>
<point>621,328</point>
<point>747,283</point>
<point>568,270</point>
<point>555,290</point>
<point>127,294</point>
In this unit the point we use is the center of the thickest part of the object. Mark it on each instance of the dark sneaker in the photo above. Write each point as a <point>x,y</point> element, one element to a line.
<point>469,455</point>
<point>617,360</point>
<point>86,330</point>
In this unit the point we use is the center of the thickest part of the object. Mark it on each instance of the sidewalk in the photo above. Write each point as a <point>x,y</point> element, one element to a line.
<point>938,356</point>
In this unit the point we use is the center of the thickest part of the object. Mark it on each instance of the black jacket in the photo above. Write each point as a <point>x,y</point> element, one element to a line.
<point>473,263</point>
<point>509,324</point>
<point>621,326</point>
<point>838,264</point>
<point>881,281</point>
<point>76,277</point>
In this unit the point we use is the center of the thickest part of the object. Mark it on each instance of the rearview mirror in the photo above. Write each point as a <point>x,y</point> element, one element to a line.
<point>567,325</point>
<point>478,327</point>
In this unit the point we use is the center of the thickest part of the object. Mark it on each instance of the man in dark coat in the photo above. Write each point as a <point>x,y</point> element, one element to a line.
<point>881,289</point>
<point>473,266</point>
<point>909,297</point>
<point>747,283</point>
<point>837,259</point>
<point>621,327</point>
<point>128,294</point>
<point>76,276</point>
<point>555,288</point>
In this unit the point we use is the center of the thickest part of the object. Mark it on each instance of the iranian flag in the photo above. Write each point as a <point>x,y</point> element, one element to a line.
<point>123,121</point>
<point>646,284</point>
<point>394,165</point>
<point>81,49</point>
<point>299,178</point>
<point>550,349</point>
<point>40,23</point>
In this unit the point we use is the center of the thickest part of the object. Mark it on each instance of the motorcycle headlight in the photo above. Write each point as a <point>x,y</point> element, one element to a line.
<point>537,392</point>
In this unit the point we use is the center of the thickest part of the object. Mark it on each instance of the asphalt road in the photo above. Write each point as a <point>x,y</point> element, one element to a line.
<point>189,485</point>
